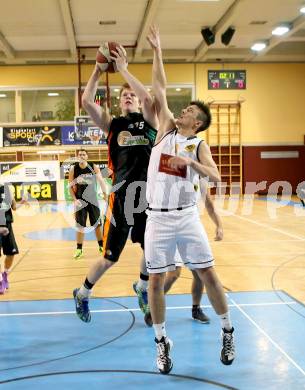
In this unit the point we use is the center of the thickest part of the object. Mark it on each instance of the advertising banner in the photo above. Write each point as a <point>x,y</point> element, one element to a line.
<point>31,136</point>
<point>27,171</point>
<point>84,132</point>
<point>35,190</point>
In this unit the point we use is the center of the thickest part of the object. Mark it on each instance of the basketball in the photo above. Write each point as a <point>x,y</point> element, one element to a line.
<point>103,59</point>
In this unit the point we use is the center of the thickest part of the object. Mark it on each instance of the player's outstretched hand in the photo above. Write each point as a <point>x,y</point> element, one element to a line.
<point>154,38</point>
<point>119,56</point>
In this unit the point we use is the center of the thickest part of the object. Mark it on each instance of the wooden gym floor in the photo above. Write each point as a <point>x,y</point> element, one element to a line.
<point>262,249</point>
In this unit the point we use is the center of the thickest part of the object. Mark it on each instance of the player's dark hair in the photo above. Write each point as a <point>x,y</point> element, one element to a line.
<point>204,115</point>
<point>124,86</point>
<point>82,150</point>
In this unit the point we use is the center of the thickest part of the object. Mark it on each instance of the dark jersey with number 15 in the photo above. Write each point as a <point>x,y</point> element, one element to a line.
<point>130,142</point>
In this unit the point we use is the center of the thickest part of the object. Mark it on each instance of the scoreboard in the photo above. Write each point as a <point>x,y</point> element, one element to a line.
<point>226,79</point>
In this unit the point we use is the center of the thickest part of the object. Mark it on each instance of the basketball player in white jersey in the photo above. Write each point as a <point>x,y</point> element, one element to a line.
<point>197,285</point>
<point>177,160</point>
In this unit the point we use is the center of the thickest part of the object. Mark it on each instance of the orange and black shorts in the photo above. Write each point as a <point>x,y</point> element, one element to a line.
<point>116,227</point>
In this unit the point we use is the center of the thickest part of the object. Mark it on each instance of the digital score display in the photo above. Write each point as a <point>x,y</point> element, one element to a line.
<point>226,79</point>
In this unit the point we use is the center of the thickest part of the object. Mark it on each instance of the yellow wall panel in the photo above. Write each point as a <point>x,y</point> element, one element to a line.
<point>175,73</point>
<point>38,76</point>
<point>273,111</point>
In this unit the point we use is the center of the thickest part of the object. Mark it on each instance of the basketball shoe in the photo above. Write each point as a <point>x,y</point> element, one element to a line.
<point>5,280</point>
<point>142,298</point>
<point>78,254</point>
<point>198,315</point>
<point>227,354</point>
<point>164,361</point>
<point>82,306</point>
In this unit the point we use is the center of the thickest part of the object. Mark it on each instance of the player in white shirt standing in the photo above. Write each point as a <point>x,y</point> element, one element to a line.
<point>177,160</point>
<point>197,285</point>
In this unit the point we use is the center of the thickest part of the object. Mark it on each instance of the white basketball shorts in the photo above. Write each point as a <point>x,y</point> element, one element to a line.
<point>179,230</point>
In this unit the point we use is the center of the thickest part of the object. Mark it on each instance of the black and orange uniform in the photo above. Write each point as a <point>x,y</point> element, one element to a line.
<point>130,141</point>
<point>8,242</point>
<point>86,192</point>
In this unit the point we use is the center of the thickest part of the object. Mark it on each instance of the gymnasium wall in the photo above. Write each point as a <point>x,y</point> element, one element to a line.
<point>271,170</point>
<point>272,113</point>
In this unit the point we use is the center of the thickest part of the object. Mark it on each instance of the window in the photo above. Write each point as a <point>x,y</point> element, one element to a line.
<point>178,98</point>
<point>48,105</point>
<point>7,106</point>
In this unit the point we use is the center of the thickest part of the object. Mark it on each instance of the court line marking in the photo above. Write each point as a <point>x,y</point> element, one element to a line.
<point>300,238</point>
<point>276,345</point>
<point>137,309</point>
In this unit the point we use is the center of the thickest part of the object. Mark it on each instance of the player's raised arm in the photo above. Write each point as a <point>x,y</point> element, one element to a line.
<point>100,115</point>
<point>159,82</point>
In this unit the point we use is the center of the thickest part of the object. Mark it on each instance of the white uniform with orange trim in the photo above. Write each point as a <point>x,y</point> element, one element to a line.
<point>173,221</point>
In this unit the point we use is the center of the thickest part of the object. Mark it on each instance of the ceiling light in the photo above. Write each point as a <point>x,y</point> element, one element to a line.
<point>116,90</point>
<point>258,46</point>
<point>2,95</point>
<point>302,9</point>
<point>281,30</point>
<point>178,89</point>
<point>148,89</point>
<point>51,152</point>
<point>53,94</point>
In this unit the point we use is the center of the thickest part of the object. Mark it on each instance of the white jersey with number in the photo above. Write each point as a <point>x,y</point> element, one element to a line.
<point>169,188</point>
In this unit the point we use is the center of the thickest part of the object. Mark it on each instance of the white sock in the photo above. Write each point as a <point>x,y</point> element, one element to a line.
<point>225,321</point>
<point>142,284</point>
<point>84,292</point>
<point>160,330</point>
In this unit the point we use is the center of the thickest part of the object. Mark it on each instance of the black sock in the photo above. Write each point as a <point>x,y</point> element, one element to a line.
<point>79,246</point>
<point>196,307</point>
<point>144,277</point>
<point>88,285</point>
<point>100,243</point>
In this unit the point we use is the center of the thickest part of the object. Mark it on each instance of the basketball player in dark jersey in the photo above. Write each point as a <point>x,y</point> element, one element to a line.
<point>7,243</point>
<point>83,178</point>
<point>130,139</point>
